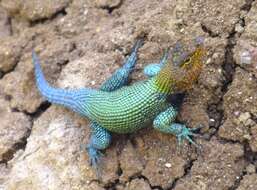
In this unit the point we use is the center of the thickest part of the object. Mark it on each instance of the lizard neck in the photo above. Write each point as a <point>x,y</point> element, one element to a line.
<point>164,81</point>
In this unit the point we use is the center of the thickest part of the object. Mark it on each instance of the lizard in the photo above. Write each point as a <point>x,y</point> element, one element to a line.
<point>121,108</point>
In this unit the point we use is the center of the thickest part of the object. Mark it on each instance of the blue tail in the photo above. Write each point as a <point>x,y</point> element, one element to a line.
<point>73,99</point>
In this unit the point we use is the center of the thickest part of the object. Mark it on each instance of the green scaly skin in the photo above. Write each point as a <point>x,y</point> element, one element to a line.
<point>129,108</point>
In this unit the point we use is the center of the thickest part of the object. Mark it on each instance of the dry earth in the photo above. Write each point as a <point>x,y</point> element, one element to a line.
<point>80,43</point>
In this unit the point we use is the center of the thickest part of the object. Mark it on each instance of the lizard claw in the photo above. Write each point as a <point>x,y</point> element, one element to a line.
<point>94,159</point>
<point>188,133</point>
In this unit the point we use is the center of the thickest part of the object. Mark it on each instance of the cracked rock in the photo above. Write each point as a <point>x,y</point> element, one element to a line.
<point>213,15</point>
<point>15,126</point>
<point>10,49</point>
<point>220,166</point>
<point>138,184</point>
<point>34,9</point>
<point>248,182</point>
<point>154,158</point>
<point>247,43</point>
<point>240,103</point>
<point>53,156</point>
<point>5,28</point>
<point>76,74</point>
<point>4,171</point>
<point>253,138</point>
<point>130,163</point>
<point>107,3</point>
<point>20,84</point>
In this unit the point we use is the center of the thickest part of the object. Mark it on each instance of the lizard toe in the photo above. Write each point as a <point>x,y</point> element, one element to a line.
<point>188,133</point>
<point>94,159</point>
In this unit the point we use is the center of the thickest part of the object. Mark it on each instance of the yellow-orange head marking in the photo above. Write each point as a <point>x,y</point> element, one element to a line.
<point>180,77</point>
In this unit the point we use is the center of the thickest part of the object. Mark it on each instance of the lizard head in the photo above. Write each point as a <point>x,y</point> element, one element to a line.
<point>187,71</point>
<point>183,70</point>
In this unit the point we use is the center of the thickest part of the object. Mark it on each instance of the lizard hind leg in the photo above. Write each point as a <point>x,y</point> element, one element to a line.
<point>121,76</point>
<point>100,140</point>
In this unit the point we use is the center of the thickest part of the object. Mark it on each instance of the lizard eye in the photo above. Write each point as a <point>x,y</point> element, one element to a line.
<point>186,62</point>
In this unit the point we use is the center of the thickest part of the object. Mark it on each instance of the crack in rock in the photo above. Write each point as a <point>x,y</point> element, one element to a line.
<point>39,111</point>
<point>111,8</point>
<point>209,31</point>
<point>21,145</point>
<point>228,68</point>
<point>61,12</point>
<point>187,169</point>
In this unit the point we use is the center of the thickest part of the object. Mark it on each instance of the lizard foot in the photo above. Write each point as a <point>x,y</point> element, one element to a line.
<point>94,159</point>
<point>188,133</point>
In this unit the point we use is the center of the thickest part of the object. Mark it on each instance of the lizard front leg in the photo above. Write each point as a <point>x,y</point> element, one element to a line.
<point>176,55</point>
<point>154,68</point>
<point>164,122</point>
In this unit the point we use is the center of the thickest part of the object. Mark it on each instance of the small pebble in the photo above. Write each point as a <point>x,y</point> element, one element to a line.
<point>245,57</point>
<point>212,120</point>
<point>160,159</point>
<point>168,165</point>
<point>208,61</point>
<point>250,169</point>
<point>237,113</point>
<point>239,28</point>
<point>248,137</point>
<point>244,117</point>
<point>215,56</point>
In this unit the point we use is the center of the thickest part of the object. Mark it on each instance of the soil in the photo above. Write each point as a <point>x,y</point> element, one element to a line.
<point>81,43</point>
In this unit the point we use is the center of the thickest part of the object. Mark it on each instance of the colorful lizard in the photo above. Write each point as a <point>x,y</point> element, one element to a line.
<point>117,108</point>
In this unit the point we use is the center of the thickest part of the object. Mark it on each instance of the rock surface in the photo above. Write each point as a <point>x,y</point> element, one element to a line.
<point>219,167</point>
<point>35,9</point>
<point>248,182</point>
<point>15,126</point>
<point>81,43</point>
<point>5,28</point>
<point>240,109</point>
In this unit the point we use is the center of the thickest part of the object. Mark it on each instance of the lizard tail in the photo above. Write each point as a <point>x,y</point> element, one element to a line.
<point>73,99</point>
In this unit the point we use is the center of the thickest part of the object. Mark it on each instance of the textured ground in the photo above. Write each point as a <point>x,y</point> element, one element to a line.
<point>80,43</point>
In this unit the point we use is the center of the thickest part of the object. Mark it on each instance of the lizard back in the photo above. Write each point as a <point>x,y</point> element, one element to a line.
<point>129,108</point>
